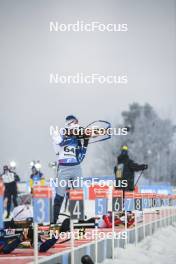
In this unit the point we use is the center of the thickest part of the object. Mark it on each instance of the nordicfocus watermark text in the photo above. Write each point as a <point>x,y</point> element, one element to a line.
<point>80,182</point>
<point>81,26</point>
<point>93,131</point>
<point>93,78</point>
<point>88,235</point>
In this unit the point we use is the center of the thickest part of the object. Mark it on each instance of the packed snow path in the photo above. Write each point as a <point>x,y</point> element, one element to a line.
<point>158,248</point>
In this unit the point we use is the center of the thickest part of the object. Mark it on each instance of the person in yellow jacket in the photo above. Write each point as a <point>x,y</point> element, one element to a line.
<point>36,177</point>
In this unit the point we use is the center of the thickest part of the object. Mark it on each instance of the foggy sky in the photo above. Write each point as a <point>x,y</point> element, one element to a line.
<point>29,53</point>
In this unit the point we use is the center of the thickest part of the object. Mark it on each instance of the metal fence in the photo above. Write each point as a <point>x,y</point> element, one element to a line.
<point>101,249</point>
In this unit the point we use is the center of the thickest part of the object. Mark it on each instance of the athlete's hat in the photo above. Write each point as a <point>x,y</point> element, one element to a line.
<point>5,167</point>
<point>70,118</point>
<point>124,148</point>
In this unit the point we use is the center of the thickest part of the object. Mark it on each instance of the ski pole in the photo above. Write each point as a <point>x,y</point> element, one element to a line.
<point>36,243</point>
<point>139,178</point>
<point>72,241</point>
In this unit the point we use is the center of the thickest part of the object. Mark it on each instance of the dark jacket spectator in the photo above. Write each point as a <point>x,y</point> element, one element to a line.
<point>10,180</point>
<point>126,168</point>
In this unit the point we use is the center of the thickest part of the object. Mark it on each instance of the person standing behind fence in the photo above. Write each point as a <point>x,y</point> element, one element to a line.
<point>10,179</point>
<point>36,177</point>
<point>126,168</point>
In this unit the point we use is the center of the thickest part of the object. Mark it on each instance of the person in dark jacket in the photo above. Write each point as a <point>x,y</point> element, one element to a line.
<point>37,177</point>
<point>10,179</point>
<point>126,168</point>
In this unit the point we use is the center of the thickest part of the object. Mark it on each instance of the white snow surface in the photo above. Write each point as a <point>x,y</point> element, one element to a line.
<point>159,249</point>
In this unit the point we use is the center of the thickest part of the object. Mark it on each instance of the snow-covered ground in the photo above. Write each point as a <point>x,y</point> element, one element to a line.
<point>158,249</point>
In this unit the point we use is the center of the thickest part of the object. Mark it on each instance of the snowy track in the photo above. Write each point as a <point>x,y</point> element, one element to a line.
<point>158,249</point>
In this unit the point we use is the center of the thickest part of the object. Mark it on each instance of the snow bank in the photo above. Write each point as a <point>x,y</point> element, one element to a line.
<point>159,249</point>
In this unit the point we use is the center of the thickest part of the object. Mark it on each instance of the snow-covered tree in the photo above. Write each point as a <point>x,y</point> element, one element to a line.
<point>150,140</point>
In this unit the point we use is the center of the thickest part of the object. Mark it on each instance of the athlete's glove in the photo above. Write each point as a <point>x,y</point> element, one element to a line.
<point>144,166</point>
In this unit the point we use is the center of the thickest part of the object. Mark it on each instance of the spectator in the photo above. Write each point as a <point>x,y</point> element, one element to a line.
<point>10,179</point>
<point>126,168</point>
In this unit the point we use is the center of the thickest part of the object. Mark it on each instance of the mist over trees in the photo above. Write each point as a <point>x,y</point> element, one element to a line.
<point>151,140</point>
